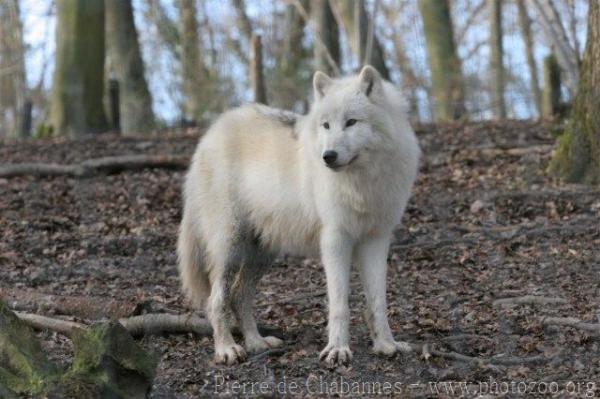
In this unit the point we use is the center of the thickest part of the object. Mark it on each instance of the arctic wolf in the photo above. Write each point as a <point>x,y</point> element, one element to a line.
<point>332,183</point>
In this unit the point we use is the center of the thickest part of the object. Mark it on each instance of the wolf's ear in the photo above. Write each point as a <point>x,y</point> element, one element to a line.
<point>370,80</point>
<point>320,84</point>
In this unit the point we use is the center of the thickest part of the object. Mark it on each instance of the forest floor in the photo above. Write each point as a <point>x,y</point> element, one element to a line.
<point>485,223</point>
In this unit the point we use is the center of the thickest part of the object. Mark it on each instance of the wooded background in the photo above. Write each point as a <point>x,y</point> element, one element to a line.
<point>184,61</point>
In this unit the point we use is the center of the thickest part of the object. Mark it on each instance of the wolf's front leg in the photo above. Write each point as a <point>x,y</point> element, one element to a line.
<point>371,258</point>
<point>336,255</point>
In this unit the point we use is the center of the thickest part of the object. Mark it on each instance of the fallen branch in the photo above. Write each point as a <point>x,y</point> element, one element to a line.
<point>529,300</point>
<point>85,307</point>
<point>50,323</point>
<point>572,322</point>
<point>147,324</point>
<point>163,323</point>
<point>106,165</point>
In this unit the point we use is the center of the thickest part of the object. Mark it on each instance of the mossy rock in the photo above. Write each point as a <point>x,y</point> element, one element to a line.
<point>108,363</point>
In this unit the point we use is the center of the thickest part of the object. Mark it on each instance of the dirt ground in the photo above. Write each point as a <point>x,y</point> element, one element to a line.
<point>485,222</point>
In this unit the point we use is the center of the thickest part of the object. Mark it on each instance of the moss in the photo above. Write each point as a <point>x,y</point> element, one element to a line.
<point>23,366</point>
<point>108,363</point>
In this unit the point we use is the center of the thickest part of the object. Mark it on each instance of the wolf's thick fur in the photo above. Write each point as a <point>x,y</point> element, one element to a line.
<point>259,186</point>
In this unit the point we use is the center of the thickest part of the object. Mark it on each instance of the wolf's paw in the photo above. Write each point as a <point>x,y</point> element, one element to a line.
<point>391,347</point>
<point>336,355</point>
<point>261,344</point>
<point>229,354</point>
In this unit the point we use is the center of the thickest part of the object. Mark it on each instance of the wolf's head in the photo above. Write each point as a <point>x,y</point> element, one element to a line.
<point>347,118</point>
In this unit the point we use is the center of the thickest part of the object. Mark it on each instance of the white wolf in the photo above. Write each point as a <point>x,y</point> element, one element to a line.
<point>334,182</point>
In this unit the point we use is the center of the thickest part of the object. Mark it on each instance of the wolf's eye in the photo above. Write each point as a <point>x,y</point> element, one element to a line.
<point>326,125</point>
<point>350,122</point>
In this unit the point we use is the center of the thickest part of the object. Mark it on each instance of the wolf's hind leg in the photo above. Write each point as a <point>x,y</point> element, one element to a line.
<point>243,299</point>
<point>219,313</point>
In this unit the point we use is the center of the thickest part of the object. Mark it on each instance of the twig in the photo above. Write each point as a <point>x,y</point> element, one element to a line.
<point>106,165</point>
<point>529,300</point>
<point>498,360</point>
<point>572,322</point>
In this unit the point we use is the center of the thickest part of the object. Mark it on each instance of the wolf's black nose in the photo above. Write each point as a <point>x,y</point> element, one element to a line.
<point>330,157</point>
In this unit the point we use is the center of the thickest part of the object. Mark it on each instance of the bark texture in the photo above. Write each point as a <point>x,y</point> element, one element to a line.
<point>135,103</point>
<point>578,155</point>
<point>496,57</point>
<point>76,102</point>
<point>444,64</point>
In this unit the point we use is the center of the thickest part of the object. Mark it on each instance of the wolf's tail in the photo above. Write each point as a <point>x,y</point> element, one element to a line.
<point>194,277</point>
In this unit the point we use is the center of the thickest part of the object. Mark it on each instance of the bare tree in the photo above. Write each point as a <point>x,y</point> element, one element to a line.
<point>328,30</point>
<point>353,17</point>
<point>135,103</point>
<point>444,64</point>
<point>256,71</point>
<point>556,34</point>
<point>496,57</point>
<point>525,26</point>
<point>78,86</point>
<point>195,85</point>
<point>578,155</point>
<point>13,102</point>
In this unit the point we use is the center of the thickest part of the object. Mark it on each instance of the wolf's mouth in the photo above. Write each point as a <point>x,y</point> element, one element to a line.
<point>338,167</point>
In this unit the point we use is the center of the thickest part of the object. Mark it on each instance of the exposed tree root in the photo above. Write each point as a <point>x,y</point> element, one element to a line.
<point>106,165</point>
<point>39,322</point>
<point>529,300</point>
<point>572,322</point>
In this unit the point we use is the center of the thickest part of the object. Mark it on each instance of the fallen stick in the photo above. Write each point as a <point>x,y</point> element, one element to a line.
<point>572,322</point>
<point>105,165</point>
<point>147,324</point>
<point>39,322</point>
<point>85,307</point>
<point>529,300</point>
<point>500,360</point>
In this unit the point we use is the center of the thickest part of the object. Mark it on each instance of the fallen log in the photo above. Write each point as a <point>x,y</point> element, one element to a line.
<point>105,165</point>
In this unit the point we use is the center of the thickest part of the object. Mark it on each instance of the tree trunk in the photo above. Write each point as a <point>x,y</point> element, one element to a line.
<point>353,16</point>
<point>578,155</point>
<point>76,102</point>
<point>552,84</point>
<point>496,56</point>
<point>194,72</point>
<point>525,25</point>
<point>292,40</point>
<point>444,64</point>
<point>12,70</point>
<point>256,71</point>
<point>327,27</point>
<point>135,103</point>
